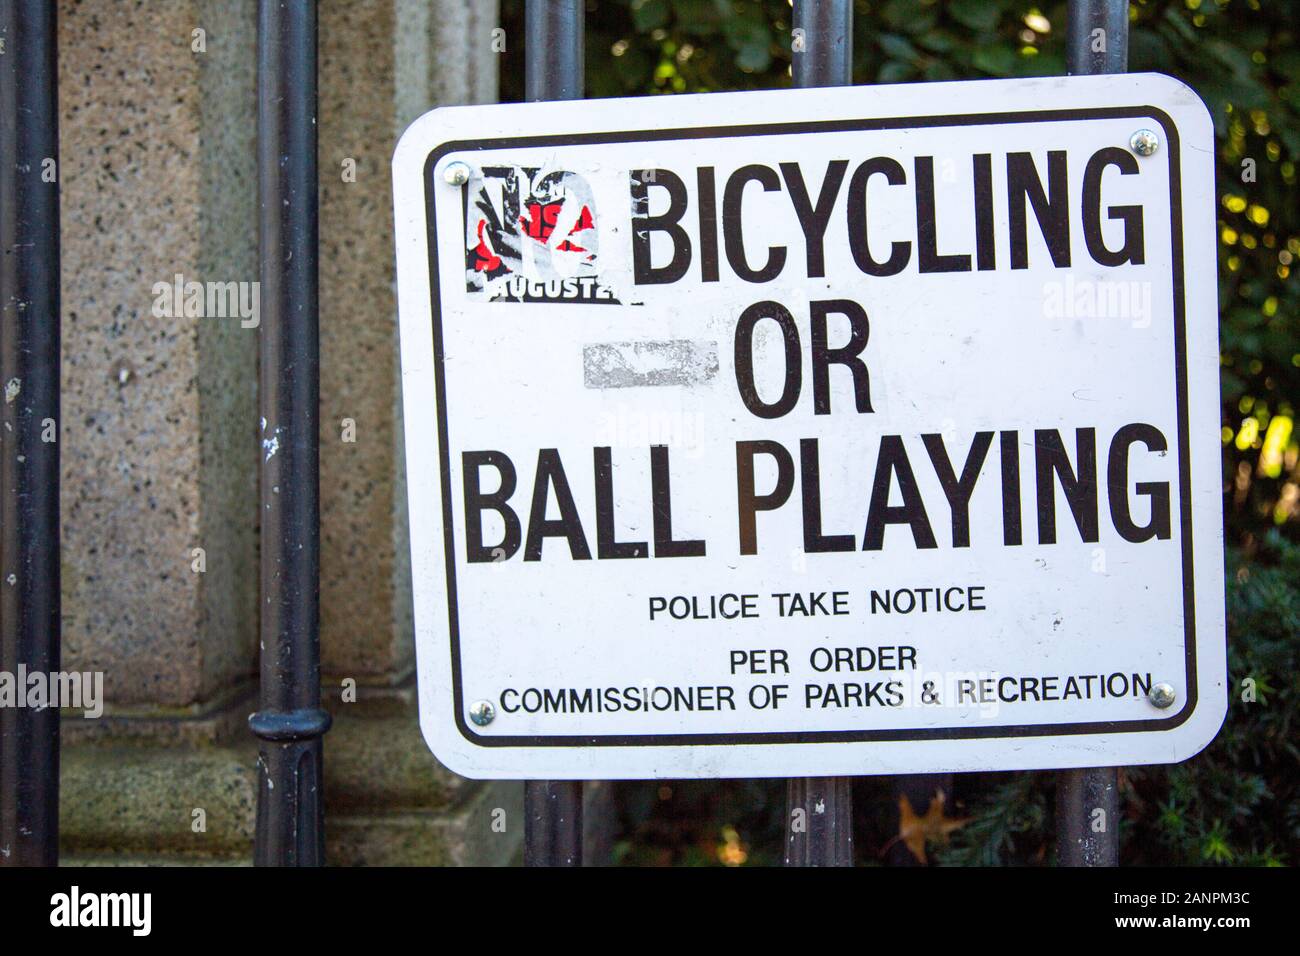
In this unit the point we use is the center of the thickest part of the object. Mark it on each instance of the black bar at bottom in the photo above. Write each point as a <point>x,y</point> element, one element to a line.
<point>553,823</point>
<point>819,821</point>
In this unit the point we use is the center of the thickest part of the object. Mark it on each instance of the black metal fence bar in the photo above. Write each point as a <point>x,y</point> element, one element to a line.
<point>819,821</point>
<point>552,823</point>
<point>290,721</point>
<point>1087,817</point>
<point>553,50</point>
<point>1087,801</point>
<point>821,44</point>
<point>819,810</point>
<point>553,70</point>
<point>29,424</point>
<point>1097,37</point>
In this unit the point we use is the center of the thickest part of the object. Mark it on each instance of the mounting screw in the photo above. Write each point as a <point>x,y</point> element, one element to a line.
<point>483,713</point>
<point>1163,695</point>
<point>1144,142</point>
<point>456,174</point>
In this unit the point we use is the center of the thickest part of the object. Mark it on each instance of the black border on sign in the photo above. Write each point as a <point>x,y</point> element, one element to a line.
<point>830,126</point>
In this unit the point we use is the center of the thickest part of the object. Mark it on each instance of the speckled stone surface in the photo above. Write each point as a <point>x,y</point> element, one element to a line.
<point>134,801</point>
<point>159,414</point>
<point>382,63</point>
<point>159,432</point>
<point>157,179</point>
<point>485,831</point>
<point>387,802</point>
<point>383,761</point>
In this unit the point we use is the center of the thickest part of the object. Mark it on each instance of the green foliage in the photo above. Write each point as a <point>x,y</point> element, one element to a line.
<point>1237,802</point>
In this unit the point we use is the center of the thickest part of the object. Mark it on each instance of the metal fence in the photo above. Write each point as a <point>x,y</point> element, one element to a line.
<point>290,722</point>
<point>29,466</point>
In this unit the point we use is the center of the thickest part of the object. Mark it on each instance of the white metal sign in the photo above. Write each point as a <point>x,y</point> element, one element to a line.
<point>814,432</point>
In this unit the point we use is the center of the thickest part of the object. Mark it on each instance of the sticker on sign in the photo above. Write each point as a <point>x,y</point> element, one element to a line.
<point>803,433</point>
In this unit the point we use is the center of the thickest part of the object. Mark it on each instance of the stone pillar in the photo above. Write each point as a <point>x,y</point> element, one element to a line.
<point>160,435</point>
<point>382,64</point>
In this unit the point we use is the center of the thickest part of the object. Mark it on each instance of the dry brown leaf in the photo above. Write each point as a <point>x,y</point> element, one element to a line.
<point>934,827</point>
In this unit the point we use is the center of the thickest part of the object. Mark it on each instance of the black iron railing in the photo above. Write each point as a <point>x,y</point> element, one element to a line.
<point>29,424</point>
<point>290,721</point>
